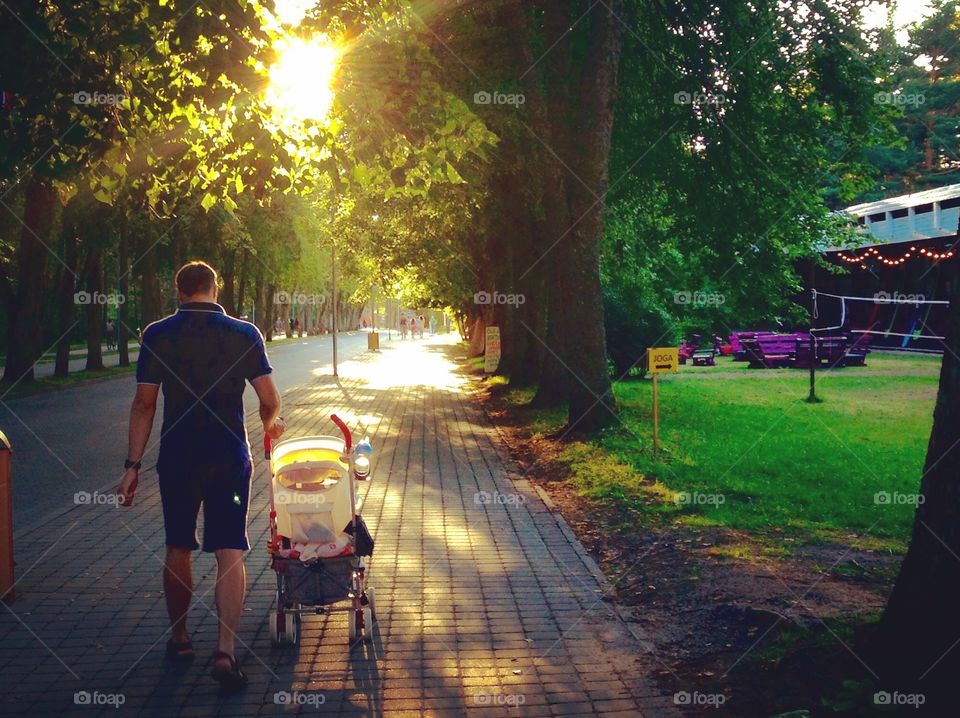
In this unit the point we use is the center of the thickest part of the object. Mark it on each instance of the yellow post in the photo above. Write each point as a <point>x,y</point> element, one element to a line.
<point>656,415</point>
<point>7,593</point>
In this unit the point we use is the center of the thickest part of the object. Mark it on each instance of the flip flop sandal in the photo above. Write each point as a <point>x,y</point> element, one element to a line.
<point>180,651</point>
<point>231,679</point>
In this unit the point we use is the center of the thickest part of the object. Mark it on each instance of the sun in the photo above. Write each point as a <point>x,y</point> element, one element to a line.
<point>291,12</point>
<point>301,79</point>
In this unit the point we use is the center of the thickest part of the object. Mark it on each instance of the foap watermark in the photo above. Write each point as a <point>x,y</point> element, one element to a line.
<point>86,498</point>
<point>898,298</point>
<point>895,498</point>
<point>914,99</point>
<point>86,97</point>
<point>114,298</point>
<point>302,498</point>
<point>96,698</point>
<point>511,300</point>
<point>696,698</point>
<point>896,698</point>
<point>299,698</point>
<point>695,498</point>
<point>298,298</point>
<point>707,299</point>
<point>486,497</point>
<point>698,98</point>
<point>483,97</point>
<point>499,699</point>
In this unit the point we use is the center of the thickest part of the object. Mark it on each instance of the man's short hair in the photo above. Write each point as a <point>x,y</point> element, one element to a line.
<point>196,278</point>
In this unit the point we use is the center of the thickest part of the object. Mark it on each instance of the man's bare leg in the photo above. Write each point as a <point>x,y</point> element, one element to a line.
<point>178,590</point>
<point>230,594</point>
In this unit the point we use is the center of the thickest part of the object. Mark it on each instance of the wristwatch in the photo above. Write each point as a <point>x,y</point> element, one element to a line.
<point>131,464</point>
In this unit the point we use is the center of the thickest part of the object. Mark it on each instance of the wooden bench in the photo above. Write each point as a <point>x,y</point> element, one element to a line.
<point>831,352</point>
<point>704,357</point>
<point>739,351</point>
<point>858,350</point>
<point>769,351</point>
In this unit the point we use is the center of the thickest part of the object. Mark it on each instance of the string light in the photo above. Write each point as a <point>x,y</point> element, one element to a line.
<point>874,253</point>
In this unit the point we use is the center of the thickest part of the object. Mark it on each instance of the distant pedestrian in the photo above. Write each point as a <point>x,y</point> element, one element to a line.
<point>111,335</point>
<point>403,327</point>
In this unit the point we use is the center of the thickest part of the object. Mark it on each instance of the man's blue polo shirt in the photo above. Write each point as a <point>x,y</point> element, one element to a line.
<point>202,359</point>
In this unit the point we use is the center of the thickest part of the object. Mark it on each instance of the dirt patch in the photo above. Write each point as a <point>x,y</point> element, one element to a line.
<point>731,618</point>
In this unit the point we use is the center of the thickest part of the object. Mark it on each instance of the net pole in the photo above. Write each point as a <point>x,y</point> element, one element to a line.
<point>813,341</point>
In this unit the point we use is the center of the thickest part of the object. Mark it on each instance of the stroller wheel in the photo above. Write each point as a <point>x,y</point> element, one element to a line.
<point>371,599</point>
<point>367,624</point>
<point>276,636</point>
<point>355,617</point>
<point>293,629</point>
<point>290,634</point>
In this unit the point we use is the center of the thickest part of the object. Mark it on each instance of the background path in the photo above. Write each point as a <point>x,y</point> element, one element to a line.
<point>486,604</point>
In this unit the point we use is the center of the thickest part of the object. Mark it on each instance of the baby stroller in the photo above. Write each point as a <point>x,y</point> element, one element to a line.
<point>318,541</point>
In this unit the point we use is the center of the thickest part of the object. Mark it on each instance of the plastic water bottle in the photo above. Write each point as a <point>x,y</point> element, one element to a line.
<point>361,459</point>
<point>364,448</point>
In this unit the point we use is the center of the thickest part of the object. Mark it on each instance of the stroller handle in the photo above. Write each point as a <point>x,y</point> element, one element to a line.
<point>268,444</point>
<point>344,429</point>
<point>347,436</point>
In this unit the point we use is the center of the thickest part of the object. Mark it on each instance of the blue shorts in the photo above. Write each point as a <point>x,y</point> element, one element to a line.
<point>224,490</point>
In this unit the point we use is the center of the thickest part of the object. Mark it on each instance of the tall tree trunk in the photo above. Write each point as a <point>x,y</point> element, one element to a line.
<point>553,378</point>
<point>242,284</point>
<point>228,272</point>
<point>591,403</point>
<point>916,641</point>
<point>66,305</point>
<point>123,309</point>
<point>151,302</point>
<point>94,309</point>
<point>26,323</point>
<point>529,358</point>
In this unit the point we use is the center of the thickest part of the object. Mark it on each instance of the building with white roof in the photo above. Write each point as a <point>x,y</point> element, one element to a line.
<point>930,214</point>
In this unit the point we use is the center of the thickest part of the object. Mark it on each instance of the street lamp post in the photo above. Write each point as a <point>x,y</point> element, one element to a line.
<point>334,275</point>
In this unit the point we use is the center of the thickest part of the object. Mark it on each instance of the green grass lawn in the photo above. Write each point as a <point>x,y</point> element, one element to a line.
<point>49,383</point>
<point>746,451</point>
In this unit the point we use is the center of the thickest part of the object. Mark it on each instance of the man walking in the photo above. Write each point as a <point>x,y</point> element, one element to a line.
<point>202,359</point>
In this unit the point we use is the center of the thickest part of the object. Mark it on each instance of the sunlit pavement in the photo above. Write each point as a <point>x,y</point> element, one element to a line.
<point>486,605</point>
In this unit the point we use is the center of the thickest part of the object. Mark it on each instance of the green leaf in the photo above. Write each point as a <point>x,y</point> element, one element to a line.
<point>208,201</point>
<point>453,175</point>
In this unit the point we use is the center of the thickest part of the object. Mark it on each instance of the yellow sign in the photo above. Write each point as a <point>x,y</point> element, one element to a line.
<point>491,358</point>
<point>662,359</point>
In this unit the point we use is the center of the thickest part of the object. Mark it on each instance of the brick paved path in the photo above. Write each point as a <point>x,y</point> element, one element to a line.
<point>486,606</point>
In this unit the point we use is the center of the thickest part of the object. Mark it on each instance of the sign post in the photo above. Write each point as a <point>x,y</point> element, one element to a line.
<point>660,360</point>
<point>491,357</point>
<point>7,592</point>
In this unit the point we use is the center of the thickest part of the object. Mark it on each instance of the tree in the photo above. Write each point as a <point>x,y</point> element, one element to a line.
<point>923,90</point>
<point>916,642</point>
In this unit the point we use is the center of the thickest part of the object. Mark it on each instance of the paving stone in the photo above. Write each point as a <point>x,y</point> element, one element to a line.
<point>480,601</point>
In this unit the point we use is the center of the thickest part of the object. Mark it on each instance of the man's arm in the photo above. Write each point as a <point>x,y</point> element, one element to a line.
<point>141,423</point>
<point>269,397</point>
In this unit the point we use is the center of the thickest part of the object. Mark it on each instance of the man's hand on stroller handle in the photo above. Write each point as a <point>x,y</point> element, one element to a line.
<point>276,428</point>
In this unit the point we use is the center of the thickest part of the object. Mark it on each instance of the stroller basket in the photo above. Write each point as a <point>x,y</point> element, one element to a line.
<point>325,581</point>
